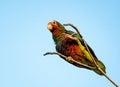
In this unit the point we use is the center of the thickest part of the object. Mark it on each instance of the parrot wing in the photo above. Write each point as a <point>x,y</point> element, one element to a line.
<point>100,64</point>
<point>82,42</point>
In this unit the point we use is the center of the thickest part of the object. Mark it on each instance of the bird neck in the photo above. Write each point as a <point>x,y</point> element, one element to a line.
<point>58,36</point>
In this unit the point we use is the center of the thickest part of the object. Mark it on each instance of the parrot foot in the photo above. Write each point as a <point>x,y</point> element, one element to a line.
<point>71,36</point>
<point>70,59</point>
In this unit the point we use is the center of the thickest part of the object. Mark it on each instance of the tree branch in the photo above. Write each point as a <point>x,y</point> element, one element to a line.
<point>115,84</point>
<point>73,27</point>
<point>70,59</point>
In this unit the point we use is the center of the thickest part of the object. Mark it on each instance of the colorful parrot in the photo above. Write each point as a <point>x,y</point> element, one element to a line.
<point>72,45</point>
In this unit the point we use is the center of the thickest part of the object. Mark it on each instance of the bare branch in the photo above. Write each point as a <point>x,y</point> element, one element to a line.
<point>73,27</point>
<point>99,67</point>
<point>70,59</point>
<point>92,56</point>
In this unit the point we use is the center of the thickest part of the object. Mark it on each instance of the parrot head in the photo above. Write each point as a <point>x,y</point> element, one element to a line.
<point>54,26</point>
<point>57,30</point>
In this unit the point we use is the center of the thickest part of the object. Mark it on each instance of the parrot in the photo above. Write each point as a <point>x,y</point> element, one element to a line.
<point>71,44</point>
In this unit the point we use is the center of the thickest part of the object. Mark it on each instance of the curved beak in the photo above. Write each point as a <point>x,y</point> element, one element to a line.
<point>50,26</point>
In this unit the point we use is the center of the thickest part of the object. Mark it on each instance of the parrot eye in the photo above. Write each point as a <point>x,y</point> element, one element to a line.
<point>54,22</point>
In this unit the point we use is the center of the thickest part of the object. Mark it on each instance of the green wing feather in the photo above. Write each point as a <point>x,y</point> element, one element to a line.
<point>83,47</point>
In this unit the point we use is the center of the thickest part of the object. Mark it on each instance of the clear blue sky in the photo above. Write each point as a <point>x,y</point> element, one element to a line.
<point>24,39</point>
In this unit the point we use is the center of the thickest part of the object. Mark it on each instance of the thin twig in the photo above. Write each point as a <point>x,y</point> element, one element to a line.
<point>70,59</point>
<point>73,27</point>
<point>99,67</point>
<point>92,56</point>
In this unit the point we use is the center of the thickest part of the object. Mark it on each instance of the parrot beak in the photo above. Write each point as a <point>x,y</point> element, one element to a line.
<point>50,26</point>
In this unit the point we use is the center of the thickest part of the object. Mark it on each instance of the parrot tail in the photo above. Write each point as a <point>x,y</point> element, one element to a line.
<point>102,66</point>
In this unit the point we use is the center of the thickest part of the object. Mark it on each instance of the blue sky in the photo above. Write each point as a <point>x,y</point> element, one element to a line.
<point>24,39</point>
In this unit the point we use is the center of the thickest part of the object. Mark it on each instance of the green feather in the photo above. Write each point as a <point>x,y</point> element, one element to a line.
<point>82,46</point>
<point>102,66</point>
<point>61,31</point>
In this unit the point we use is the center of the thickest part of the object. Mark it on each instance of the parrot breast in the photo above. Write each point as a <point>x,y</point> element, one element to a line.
<point>69,47</point>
